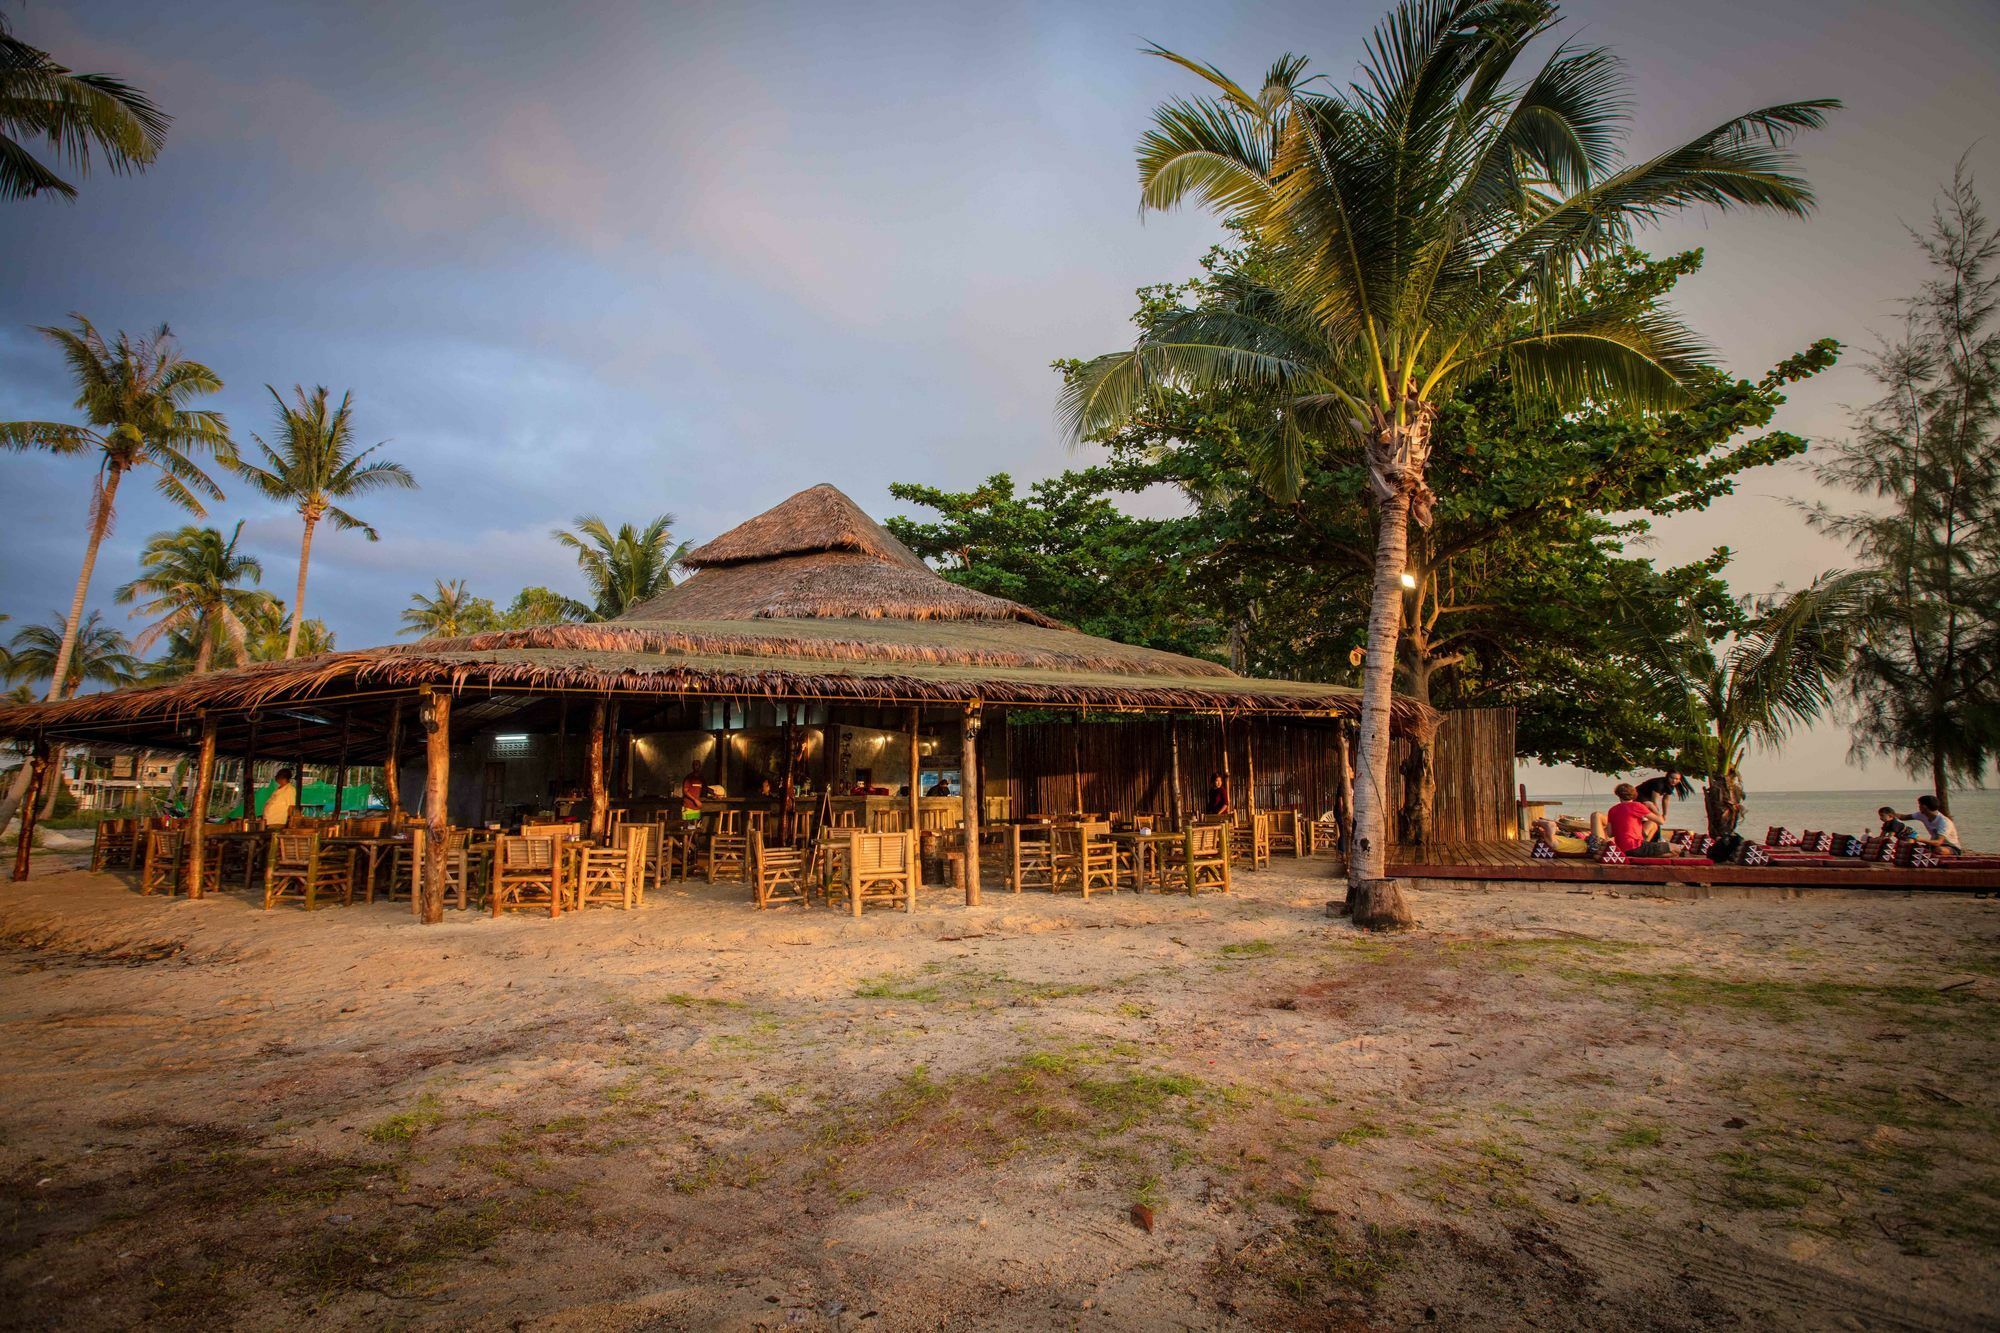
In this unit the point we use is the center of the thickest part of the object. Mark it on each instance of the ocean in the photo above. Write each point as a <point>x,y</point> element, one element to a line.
<point>1977,813</point>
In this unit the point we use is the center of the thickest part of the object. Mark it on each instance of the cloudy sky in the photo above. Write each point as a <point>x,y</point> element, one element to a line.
<point>633,258</point>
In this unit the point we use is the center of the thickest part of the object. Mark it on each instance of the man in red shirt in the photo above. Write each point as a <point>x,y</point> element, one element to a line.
<point>1633,825</point>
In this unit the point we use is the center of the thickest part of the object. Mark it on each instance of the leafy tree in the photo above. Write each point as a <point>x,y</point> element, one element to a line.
<point>193,583</point>
<point>1426,225</point>
<point>1780,673</point>
<point>451,613</point>
<point>543,606</point>
<point>1067,550</point>
<point>270,637</point>
<point>99,655</point>
<point>1524,589</point>
<point>77,116</point>
<point>1925,680</point>
<point>134,397</point>
<point>624,568</point>
<point>314,465</point>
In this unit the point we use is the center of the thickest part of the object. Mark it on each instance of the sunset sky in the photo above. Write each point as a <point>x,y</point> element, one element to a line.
<point>631,258</point>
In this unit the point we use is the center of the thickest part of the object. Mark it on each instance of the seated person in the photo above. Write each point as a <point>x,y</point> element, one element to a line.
<point>1892,824</point>
<point>1633,826</point>
<point>1548,831</point>
<point>1935,828</point>
<point>942,787</point>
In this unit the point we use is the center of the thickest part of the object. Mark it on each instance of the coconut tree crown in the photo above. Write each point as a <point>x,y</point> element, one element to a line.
<point>1426,223</point>
<point>626,568</point>
<point>193,585</point>
<point>101,656</point>
<point>314,463</point>
<point>78,117</point>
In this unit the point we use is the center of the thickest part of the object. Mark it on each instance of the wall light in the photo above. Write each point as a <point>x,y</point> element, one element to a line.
<point>1410,581</point>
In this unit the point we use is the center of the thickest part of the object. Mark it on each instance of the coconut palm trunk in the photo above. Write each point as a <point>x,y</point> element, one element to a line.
<point>299,598</point>
<point>100,521</point>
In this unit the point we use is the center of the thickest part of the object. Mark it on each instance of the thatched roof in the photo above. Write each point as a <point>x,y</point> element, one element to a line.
<point>811,600</point>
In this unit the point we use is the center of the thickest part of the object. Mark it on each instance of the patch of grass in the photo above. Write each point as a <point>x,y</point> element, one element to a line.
<point>936,985</point>
<point>1789,1001</point>
<point>1638,1136</point>
<point>1753,1181</point>
<point>682,1000</point>
<point>1360,1132</point>
<point>1249,949</point>
<point>405,1126</point>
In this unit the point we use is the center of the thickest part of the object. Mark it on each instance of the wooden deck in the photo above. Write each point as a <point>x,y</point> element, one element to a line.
<point>1511,861</point>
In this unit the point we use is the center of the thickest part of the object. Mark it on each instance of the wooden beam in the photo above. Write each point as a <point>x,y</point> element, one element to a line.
<point>1250,768</point>
<point>1174,773</point>
<point>31,807</point>
<point>788,805</point>
<point>340,769</point>
<point>968,793</point>
<point>392,776</point>
<point>429,894</point>
<point>600,808</point>
<point>197,825</point>
<point>249,809</point>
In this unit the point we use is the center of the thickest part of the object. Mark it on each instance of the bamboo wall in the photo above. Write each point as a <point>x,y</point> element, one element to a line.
<point>1125,764</point>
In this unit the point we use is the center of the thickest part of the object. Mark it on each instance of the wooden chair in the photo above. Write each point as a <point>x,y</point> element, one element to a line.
<point>882,867</point>
<point>160,867</point>
<point>610,874</point>
<point>803,824</point>
<point>728,846</point>
<point>652,852</point>
<point>1205,857</point>
<point>526,875</point>
<point>779,872</point>
<point>1033,859</point>
<point>297,866</point>
<point>110,833</point>
<point>888,821</point>
<point>551,830</point>
<point>1084,857</point>
<point>1250,838</point>
<point>1290,833</point>
<point>680,841</point>
<point>466,868</point>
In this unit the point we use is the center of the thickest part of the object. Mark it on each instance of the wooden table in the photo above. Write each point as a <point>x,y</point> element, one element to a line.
<point>371,851</point>
<point>1149,855</point>
<point>248,839</point>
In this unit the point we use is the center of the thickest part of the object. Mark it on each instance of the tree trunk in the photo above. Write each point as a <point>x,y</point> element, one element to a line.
<point>1419,769</point>
<point>392,776</point>
<point>204,653</point>
<point>1722,798</point>
<point>299,597</point>
<point>197,825</point>
<point>1377,904</point>
<point>1938,784</point>
<point>600,805</point>
<point>54,784</point>
<point>35,769</point>
<point>437,793</point>
<point>1367,857</point>
<point>100,520</point>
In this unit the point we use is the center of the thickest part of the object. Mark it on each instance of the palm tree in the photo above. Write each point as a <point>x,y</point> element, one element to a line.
<point>133,395</point>
<point>99,655</point>
<point>1780,673</point>
<point>75,114</point>
<point>314,465</point>
<point>192,583</point>
<point>269,634</point>
<point>625,569</point>
<point>452,613</point>
<point>1422,226</point>
<point>543,606</point>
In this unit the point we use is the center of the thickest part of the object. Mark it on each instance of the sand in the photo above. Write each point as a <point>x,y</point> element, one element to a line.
<point>1541,1109</point>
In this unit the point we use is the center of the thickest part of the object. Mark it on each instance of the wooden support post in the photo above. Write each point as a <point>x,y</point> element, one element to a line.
<point>31,807</point>
<point>968,794</point>
<point>392,776</point>
<point>916,770</point>
<point>614,755</point>
<point>600,809</point>
<point>562,745</point>
<point>1343,767</point>
<point>249,809</point>
<point>1228,778</point>
<point>722,751</point>
<point>436,717</point>
<point>1076,760</point>
<point>1250,769</point>
<point>788,805</point>
<point>1174,773</point>
<point>340,769</point>
<point>197,826</point>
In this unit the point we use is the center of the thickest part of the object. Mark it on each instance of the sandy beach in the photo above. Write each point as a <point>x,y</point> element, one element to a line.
<point>1541,1109</point>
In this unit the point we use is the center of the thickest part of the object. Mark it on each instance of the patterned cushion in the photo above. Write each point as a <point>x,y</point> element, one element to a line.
<point>1609,855</point>
<point>1847,844</point>
<point>1780,837</point>
<point>1813,841</point>
<point>1753,855</point>
<point>1915,855</point>
<point>1543,850</point>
